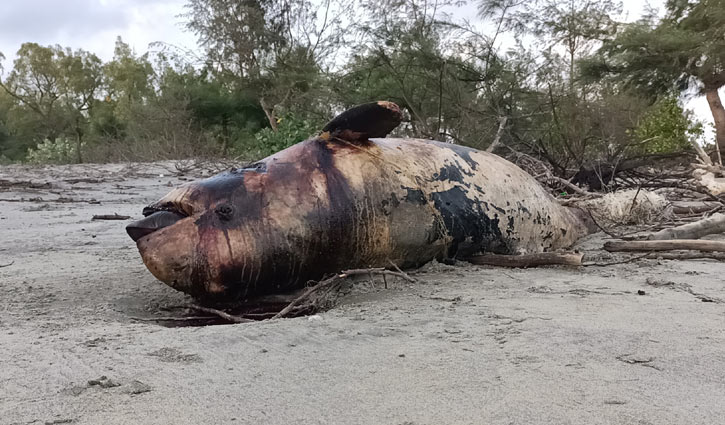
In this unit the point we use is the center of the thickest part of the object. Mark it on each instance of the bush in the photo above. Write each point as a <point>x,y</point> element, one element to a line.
<point>290,130</point>
<point>60,151</point>
<point>666,128</point>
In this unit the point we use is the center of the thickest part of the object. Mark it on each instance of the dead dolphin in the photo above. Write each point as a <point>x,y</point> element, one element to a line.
<point>345,199</point>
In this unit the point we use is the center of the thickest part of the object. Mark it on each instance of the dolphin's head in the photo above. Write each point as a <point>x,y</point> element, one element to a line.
<point>202,238</point>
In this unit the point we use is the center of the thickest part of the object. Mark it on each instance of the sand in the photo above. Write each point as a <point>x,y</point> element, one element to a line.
<point>463,345</point>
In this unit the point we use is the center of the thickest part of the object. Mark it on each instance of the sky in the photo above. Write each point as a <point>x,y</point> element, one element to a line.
<point>93,25</point>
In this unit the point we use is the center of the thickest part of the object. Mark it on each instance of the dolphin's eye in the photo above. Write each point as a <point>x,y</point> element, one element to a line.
<point>225,211</point>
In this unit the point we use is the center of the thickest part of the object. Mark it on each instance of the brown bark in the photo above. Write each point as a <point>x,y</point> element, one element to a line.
<point>718,114</point>
<point>528,260</point>
<point>671,245</point>
<point>269,112</point>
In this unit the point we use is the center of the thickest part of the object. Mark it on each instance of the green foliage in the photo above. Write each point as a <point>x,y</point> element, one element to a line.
<point>666,128</point>
<point>274,71</point>
<point>57,86</point>
<point>684,50</point>
<point>290,130</point>
<point>58,151</point>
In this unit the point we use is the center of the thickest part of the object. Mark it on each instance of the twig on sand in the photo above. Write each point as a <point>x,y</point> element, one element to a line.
<point>224,315</point>
<point>322,284</point>
<point>613,263</point>
<point>335,280</point>
<point>172,318</point>
<point>113,216</point>
<point>606,232</point>
<point>402,273</point>
<point>8,264</point>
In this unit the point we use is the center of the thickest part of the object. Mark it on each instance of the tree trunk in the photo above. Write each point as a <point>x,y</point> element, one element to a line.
<point>718,114</point>
<point>269,112</point>
<point>79,141</point>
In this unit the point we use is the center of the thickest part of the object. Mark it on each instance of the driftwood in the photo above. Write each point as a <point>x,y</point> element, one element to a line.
<point>628,260</point>
<point>528,260</point>
<point>665,245</point>
<point>707,226</point>
<point>8,264</point>
<point>113,216</point>
<point>694,207</point>
<point>720,256</point>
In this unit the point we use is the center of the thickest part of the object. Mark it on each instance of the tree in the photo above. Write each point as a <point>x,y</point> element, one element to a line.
<point>683,50</point>
<point>128,78</point>
<point>571,25</point>
<point>274,48</point>
<point>58,86</point>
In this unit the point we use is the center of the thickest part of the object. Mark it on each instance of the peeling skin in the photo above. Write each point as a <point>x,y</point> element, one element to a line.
<point>322,206</point>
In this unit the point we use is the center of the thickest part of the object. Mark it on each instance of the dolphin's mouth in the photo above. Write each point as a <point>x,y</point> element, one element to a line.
<point>155,219</point>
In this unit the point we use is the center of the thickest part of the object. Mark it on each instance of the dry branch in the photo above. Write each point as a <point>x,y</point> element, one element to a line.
<point>113,216</point>
<point>690,256</point>
<point>224,315</point>
<point>694,207</point>
<point>707,226</point>
<point>7,265</point>
<point>528,260</point>
<point>665,245</point>
<point>613,263</point>
<point>323,284</point>
<point>335,280</point>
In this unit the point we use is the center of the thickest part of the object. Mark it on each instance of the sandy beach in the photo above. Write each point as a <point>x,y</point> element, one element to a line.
<point>463,345</point>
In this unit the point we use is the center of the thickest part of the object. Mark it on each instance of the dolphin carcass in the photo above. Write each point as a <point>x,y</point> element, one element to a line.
<point>347,198</point>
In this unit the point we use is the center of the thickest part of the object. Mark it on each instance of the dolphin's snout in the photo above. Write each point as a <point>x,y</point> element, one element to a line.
<point>152,223</point>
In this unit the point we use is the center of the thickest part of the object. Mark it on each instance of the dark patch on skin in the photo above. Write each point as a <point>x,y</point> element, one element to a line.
<point>394,200</point>
<point>510,227</point>
<point>414,196</point>
<point>463,152</point>
<point>522,209</point>
<point>469,226</point>
<point>449,173</point>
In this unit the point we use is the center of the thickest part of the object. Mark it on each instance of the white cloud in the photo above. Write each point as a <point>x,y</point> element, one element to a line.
<point>92,25</point>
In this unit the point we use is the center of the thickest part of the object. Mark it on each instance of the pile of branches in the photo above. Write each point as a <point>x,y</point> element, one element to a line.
<point>317,296</point>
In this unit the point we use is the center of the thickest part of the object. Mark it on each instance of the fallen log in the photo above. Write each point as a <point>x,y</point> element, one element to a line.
<point>684,207</point>
<point>707,226</point>
<point>665,245</point>
<point>528,260</point>
<point>720,256</point>
<point>113,216</point>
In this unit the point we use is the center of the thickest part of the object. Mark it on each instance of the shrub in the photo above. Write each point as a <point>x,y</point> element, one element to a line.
<point>60,151</point>
<point>666,128</point>
<point>290,130</point>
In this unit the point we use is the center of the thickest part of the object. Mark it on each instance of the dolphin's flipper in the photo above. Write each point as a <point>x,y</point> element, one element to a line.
<point>362,122</point>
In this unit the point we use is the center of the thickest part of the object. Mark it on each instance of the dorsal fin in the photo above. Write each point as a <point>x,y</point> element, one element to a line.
<point>363,122</point>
